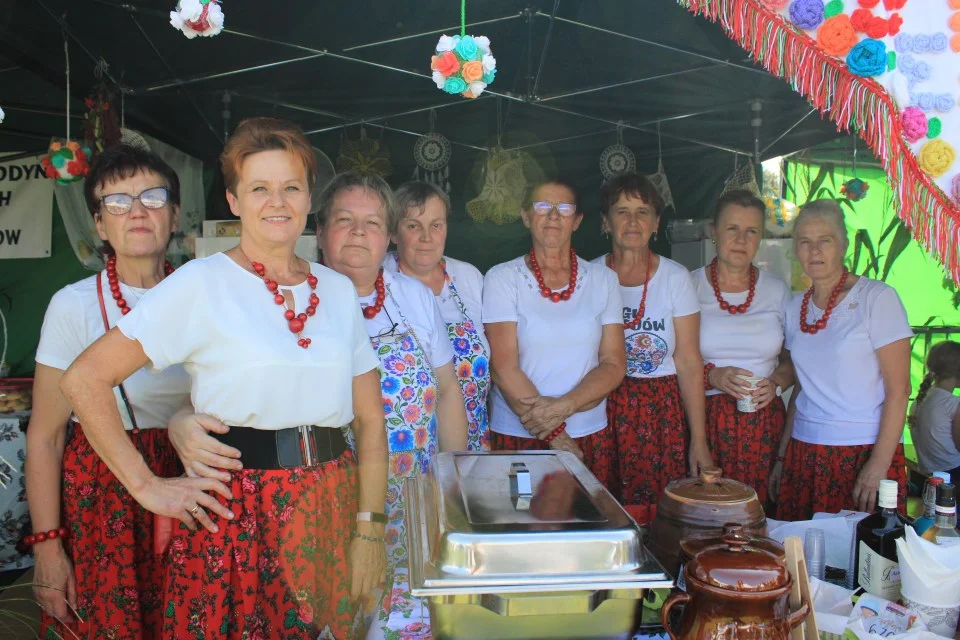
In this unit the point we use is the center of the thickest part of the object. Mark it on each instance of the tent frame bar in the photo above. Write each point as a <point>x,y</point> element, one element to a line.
<point>625,83</point>
<point>455,28</point>
<point>787,131</point>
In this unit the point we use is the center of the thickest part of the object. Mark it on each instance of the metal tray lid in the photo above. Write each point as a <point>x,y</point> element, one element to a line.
<point>520,519</point>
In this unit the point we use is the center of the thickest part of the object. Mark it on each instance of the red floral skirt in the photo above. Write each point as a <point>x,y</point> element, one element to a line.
<point>119,579</point>
<point>650,428</point>
<point>820,478</point>
<point>745,445</point>
<point>598,451</point>
<point>278,570</point>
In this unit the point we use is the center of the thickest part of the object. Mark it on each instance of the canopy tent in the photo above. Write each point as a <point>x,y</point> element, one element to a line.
<point>570,76</point>
<point>569,72</point>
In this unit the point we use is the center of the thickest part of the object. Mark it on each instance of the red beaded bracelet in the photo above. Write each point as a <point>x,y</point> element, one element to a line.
<point>43,536</point>
<point>555,432</point>
<point>707,368</point>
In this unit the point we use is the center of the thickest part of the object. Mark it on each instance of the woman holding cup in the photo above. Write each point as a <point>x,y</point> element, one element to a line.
<point>741,339</point>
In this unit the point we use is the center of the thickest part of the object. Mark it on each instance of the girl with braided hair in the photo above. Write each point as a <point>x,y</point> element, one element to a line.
<point>935,423</point>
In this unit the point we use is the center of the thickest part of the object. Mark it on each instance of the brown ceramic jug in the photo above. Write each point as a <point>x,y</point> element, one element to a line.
<point>735,591</point>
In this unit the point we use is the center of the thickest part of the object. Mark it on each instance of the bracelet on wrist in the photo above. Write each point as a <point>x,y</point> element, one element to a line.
<point>365,538</point>
<point>707,368</point>
<point>556,432</point>
<point>43,536</point>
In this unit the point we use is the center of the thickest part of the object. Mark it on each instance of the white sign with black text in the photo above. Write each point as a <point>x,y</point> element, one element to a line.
<point>26,209</point>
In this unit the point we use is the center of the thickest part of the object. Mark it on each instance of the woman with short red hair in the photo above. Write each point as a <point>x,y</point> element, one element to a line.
<point>276,348</point>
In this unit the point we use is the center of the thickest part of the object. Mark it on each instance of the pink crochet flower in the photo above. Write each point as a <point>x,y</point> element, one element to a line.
<point>776,4</point>
<point>914,123</point>
<point>955,188</point>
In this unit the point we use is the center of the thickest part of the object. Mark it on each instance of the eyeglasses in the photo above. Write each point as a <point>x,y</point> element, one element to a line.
<point>544,208</point>
<point>390,335</point>
<point>119,204</point>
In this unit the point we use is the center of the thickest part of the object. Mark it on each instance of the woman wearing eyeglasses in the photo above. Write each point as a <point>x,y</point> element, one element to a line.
<point>95,568</point>
<point>457,286</point>
<point>662,395</point>
<point>556,338</point>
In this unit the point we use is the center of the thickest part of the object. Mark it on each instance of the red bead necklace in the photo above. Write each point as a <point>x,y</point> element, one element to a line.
<point>544,289</point>
<point>733,309</point>
<point>114,281</point>
<point>633,324</point>
<point>822,322</point>
<point>371,312</point>
<point>296,322</point>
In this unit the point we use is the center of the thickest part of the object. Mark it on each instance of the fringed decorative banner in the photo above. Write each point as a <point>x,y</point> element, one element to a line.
<point>836,72</point>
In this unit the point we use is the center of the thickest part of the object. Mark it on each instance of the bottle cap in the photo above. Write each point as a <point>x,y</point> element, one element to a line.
<point>935,480</point>
<point>888,494</point>
<point>946,495</point>
<point>941,474</point>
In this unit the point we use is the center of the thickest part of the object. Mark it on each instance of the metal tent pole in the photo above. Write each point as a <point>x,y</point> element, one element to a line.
<point>788,130</point>
<point>580,92</point>
<point>222,74</point>
<point>432,33</point>
<point>546,46</point>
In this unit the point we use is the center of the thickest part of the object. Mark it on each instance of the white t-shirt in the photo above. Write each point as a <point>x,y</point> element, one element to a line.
<point>841,395</point>
<point>421,311</point>
<point>559,343</point>
<point>751,340</point>
<point>651,345</point>
<point>246,368</point>
<point>73,322</point>
<point>469,284</point>
<point>933,435</point>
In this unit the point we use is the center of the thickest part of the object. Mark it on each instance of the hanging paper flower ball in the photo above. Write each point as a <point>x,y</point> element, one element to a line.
<point>66,162</point>
<point>198,18</point>
<point>868,58</point>
<point>854,189</point>
<point>463,65</point>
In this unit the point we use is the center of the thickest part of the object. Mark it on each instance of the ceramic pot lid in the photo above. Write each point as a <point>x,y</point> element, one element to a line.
<point>737,565</point>
<point>710,487</point>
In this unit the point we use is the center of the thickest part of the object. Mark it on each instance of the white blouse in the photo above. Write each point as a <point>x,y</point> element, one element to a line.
<point>246,367</point>
<point>73,322</point>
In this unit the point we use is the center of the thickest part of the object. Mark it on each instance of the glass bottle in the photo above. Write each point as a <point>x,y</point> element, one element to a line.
<point>924,522</point>
<point>944,530</point>
<point>878,569</point>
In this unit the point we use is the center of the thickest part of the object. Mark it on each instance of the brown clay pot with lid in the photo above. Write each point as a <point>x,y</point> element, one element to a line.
<point>702,505</point>
<point>735,591</point>
<point>691,546</point>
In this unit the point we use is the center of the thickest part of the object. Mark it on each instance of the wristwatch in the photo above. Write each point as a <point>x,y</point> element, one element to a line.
<point>779,391</point>
<point>372,516</point>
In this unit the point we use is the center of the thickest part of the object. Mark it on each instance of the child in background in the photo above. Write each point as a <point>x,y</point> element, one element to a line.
<point>935,422</point>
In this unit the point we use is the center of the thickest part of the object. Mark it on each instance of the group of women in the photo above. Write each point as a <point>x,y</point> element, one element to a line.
<point>299,396</point>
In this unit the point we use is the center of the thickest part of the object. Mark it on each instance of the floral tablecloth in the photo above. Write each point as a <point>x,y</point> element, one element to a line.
<point>14,517</point>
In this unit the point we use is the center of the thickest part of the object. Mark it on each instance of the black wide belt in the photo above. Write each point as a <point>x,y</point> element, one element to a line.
<point>285,448</point>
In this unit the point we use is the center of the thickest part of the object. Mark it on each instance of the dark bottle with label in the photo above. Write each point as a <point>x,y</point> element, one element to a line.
<point>878,569</point>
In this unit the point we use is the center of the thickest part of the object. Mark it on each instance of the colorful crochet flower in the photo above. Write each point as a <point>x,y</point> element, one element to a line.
<point>914,123</point>
<point>921,43</point>
<point>903,43</point>
<point>807,14</point>
<point>860,19</point>
<point>877,28</point>
<point>955,188</point>
<point>893,5</point>
<point>944,102</point>
<point>869,4</point>
<point>938,42</point>
<point>924,101</point>
<point>894,22</point>
<point>868,58</point>
<point>776,4</point>
<point>936,157</point>
<point>836,35</point>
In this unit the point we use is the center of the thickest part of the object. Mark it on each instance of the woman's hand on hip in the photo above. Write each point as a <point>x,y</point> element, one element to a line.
<point>202,455</point>
<point>186,500</point>
<point>54,584</point>
<point>543,414</point>
<point>730,381</point>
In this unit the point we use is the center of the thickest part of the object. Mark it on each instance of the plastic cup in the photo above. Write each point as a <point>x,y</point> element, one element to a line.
<point>814,552</point>
<point>749,403</point>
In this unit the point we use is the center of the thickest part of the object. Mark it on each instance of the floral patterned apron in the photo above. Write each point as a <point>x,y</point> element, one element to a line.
<point>472,362</point>
<point>409,390</point>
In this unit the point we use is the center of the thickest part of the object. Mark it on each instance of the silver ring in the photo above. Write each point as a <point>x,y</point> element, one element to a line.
<point>194,511</point>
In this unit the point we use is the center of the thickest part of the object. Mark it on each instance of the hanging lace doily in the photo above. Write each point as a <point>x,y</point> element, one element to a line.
<point>617,159</point>
<point>501,197</point>
<point>432,153</point>
<point>743,177</point>
<point>659,181</point>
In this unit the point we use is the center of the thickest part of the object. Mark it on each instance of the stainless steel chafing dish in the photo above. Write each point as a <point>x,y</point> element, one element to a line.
<point>524,546</point>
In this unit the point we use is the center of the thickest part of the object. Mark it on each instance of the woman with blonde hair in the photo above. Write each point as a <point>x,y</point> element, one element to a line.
<point>849,340</point>
<point>935,423</point>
